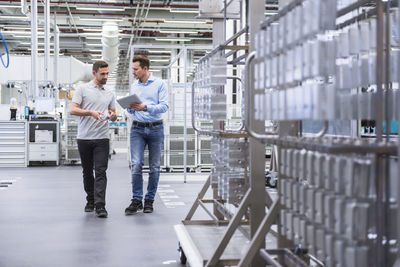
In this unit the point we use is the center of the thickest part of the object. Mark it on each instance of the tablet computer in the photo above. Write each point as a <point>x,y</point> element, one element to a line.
<point>127,100</point>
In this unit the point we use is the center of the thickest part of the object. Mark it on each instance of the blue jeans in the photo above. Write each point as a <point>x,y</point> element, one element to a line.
<point>153,137</point>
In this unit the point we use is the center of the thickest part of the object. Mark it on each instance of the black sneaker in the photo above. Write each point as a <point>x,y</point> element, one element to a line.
<point>148,206</point>
<point>134,207</point>
<point>101,212</point>
<point>89,207</point>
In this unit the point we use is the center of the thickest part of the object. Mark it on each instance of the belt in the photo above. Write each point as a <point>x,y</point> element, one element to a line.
<point>146,124</point>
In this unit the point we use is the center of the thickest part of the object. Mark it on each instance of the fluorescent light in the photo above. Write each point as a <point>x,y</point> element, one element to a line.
<point>154,70</point>
<point>186,21</point>
<point>160,51</point>
<point>14,17</point>
<point>159,60</point>
<point>94,44</point>
<point>92,33</point>
<point>12,6</point>
<point>27,43</point>
<point>182,10</point>
<point>270,13</point>
<point>17,28</point>
<point>93,37</point>
<point>100,8</point>
<point>98,19</point>
<point>21,32</point>
<point>173,39</point>
<point>21,36</point>
<point>96,50</point>
<point>172,31</point>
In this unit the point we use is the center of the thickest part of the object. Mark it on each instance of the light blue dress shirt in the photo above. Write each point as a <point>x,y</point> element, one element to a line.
<point>154,94</point>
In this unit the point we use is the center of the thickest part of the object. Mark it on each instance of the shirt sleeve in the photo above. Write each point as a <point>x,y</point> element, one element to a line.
<point>130,110</point>
<point>162,105</point>
<point>112,103</point>
<point>77,96</point>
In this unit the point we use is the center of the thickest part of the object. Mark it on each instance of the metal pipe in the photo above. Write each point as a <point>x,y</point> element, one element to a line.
<point>379,70</point>
<point>269,259</point>
<point>184,115</point>
<point>380,259</point>
<point>248,97</point>
<point>56,32</point>
<point>24,7</point>
<point>174,59</point>
<point>221,46</point>
<point>386,168</point>
<point>323,130</point>
<point>215,219</point>
<point>352,7</point>
<point>34,48</point>
<point>46,40</point>
<point>225,7</point>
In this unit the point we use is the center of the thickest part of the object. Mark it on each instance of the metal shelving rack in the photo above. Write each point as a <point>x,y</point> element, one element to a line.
<point>334,198</point>
<point>224,239</point>
<point>337,195</point>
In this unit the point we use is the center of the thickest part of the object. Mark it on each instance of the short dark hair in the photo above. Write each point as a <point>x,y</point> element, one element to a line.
<point>99,64</point>
<point>143,60</point>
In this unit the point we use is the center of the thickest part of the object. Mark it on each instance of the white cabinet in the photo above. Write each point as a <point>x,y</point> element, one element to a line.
<point>43,152</point>
<point>44,141</point>
<point>13,143</point>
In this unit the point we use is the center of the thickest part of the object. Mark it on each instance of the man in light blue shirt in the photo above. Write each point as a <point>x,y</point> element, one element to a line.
<point>147,129</point>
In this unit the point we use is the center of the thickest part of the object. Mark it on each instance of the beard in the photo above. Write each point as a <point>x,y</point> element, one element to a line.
<point>103,81</point>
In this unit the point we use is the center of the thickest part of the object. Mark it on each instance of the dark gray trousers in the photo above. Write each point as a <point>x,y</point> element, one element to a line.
<point>94,155</point>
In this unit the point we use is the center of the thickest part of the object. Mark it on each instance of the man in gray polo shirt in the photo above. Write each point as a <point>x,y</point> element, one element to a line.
<point>95,105</point>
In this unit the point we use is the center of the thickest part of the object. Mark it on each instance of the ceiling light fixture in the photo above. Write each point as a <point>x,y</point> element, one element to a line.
<point>15,17</point>
<point>172,31</point>
<point>21,33</point>
<point>11,6</point>
<point>159,60</point>
<point>186,21</point>
<point>100,8</point>
<point>160,51</point>
<point>92,33</point>
<point>98,19</point>
<point>173,39</point>
<point>182,10</point>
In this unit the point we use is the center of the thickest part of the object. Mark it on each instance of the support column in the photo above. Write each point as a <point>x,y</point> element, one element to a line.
<point>255,15</point>
<point>218,38</point>
<point>34,49</point>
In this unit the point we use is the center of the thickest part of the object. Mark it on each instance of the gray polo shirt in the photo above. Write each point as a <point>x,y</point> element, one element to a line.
<point>91,97</point>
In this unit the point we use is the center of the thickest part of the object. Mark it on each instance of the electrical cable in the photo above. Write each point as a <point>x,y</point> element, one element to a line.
<point>8,54</point>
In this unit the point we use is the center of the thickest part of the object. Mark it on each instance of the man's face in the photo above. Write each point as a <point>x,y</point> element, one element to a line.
<point>101,75</point>
<point>138,71</point>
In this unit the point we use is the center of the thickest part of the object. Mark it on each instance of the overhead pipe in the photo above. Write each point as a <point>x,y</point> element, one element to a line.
<point>34,48</point>
<point>56,32</point>
<point>110,44</point>
<point>24,7</point>
<point>46,39</point>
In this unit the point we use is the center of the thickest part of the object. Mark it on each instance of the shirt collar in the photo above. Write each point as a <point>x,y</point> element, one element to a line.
<point>150,79</point>
<point>96,86</point>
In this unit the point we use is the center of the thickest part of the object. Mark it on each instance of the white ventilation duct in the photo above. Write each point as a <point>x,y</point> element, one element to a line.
<point>110,44</point>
